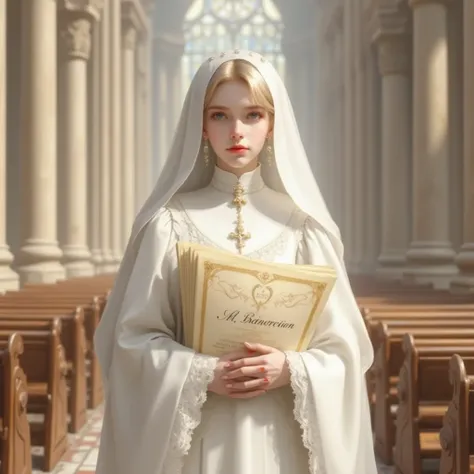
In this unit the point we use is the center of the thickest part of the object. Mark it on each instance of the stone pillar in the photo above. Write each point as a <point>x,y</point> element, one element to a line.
<point>465,259</point>
<point>38,260</point>
<point>321,165</point>
<point>130,159</point>
<point>75,36</point>
<point>456,127</point>
<point>394,62</point>
<point>338,168</point>
<point>141,158</point>
<point>115,91</point>
<point>95,132</point>
<point>108,263</point>
<point>359,151</point>
<point>9,280</point>
<point>160,92</point>
<point>371,247</point>
<point>348,166</point>
<point>168,52</point>
<point>431,254</point>
<point>149,133</point>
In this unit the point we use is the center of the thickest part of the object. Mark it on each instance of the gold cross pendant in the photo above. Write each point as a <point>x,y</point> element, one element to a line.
<point>239,235</point>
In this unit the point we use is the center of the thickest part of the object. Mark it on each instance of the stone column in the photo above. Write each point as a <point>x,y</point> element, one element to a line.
<point>9,280</point>
<point>321,164</point>
<point>174,81</point>
<point>95,132</point>
<point>394,62</point>
<point>465,259</point>
<point>38,260</point>
<point>456,113</point>
<point>108,263</point>
<point>348,167</point>
<point>149,130</point>
<point>115,91</point>
<point>130,159</point>
<point>359,151</point>
<point>160,92</point>
<point>431,254</point>
<point>167,91</point>
<point>371,247</point>
<point>141,158</point>
<point>339,123</point>
<point>75,36</point>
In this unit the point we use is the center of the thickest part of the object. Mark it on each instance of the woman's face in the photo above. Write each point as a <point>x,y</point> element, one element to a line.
<point>235,127</point>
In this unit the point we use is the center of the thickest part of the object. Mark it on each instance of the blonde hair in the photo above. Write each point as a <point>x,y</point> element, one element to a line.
<point>240,70</point>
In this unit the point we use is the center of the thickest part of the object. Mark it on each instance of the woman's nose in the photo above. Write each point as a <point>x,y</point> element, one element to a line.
<point>237,131</point>
<point>236,135</point>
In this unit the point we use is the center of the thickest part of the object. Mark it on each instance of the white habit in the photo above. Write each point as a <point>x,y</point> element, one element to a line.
<point>158,417</point>
<point>157,413</point>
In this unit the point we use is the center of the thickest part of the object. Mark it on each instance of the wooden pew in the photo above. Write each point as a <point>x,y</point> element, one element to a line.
<point>15,440</point>
<point>423,382</point>
<point>73,341</point>
<point>397,315</point>
<point>457,434</point>
<point>388,361</point>
<point>44,365</point>
<point>92,306</point>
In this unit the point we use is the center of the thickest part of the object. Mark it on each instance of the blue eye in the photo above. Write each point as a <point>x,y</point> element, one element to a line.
<point>255,115</point>
<point>218,116</point>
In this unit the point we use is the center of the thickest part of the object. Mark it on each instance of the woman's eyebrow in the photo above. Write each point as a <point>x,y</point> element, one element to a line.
<point>222,107</point>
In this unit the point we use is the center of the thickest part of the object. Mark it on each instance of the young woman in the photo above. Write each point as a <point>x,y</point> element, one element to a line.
<point>170,410</point>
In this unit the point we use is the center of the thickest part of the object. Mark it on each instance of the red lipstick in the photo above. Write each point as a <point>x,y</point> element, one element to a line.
<point>237,149</point>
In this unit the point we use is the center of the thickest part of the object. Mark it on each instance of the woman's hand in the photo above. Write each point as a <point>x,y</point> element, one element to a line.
<point>218,385</point>
<point>266,366</point>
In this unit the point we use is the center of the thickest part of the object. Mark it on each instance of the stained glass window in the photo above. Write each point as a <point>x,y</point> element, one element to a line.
<point>211,26</point>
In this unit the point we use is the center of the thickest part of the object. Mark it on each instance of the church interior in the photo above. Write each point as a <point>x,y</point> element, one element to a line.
<point>383,93</point>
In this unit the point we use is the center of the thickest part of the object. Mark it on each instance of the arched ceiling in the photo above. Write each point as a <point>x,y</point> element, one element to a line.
<point>169,15</point>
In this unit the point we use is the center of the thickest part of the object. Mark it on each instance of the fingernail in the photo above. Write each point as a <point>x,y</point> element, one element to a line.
<point>265,380</point>
<point>226,366</point>
<point>262,369</point>
<point>229,385</point>
<point>225,377</point>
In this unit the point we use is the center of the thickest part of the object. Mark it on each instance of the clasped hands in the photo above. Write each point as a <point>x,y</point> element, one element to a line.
<point>250,372</point>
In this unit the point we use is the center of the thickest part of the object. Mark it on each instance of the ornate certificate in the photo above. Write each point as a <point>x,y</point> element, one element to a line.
<point>236,300</point>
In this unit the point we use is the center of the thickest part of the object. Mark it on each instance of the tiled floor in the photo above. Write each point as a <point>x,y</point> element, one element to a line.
<point>82,455</point>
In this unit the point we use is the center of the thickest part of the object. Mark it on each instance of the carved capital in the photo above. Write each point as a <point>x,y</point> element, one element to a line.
<point>75,34</point>
<point>129,36</point>
<point>394,55</point>
<point>134,13</point>
<point>88,8</point>
<point>391,18</point>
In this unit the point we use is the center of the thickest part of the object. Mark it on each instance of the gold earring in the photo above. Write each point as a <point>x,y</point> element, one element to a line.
<point>269,153</point>
<point>205,152</point>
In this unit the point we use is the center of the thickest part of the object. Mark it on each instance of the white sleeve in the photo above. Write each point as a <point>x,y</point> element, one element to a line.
<point>328,380</point>
<point>157,386</point>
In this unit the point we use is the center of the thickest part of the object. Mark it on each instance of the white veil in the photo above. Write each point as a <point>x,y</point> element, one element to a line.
<point>185,170</point>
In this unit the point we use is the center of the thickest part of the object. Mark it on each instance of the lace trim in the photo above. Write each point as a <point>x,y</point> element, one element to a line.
<point>305,412</point>
<point>267,253</point>
<point>188,416</point>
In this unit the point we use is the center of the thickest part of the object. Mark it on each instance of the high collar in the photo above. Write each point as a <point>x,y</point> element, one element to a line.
<point>225,181</point>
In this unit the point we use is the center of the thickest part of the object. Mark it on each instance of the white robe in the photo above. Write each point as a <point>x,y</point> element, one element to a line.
<point>159,418</point>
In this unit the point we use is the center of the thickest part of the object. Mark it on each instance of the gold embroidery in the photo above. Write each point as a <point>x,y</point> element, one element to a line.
<point>239,235</point>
